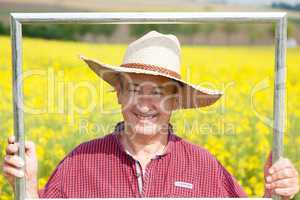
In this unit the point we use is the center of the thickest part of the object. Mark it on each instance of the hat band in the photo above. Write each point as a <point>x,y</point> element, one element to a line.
<point>152,68</point>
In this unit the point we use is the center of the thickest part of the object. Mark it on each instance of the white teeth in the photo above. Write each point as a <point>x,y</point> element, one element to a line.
<point>145,117</point>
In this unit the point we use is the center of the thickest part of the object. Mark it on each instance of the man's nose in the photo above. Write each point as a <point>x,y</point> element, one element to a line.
<point>143,108</point>
<point>145,103</point>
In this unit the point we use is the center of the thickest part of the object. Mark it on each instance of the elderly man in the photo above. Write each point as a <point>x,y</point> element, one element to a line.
<point>143,157</point>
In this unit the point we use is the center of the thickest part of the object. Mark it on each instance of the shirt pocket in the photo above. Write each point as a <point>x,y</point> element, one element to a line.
<point>182,189</point>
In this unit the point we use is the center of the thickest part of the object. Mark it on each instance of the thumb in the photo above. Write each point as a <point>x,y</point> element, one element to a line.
<point>30,147</point>
<point>268,164</point>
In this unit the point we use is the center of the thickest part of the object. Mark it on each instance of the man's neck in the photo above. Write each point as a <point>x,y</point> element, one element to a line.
<point>144,146</point>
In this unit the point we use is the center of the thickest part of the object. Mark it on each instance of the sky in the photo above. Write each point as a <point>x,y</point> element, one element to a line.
<point>262,2</point>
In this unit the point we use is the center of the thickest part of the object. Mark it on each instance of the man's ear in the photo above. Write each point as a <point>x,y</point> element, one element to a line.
<point>175,102</point>
<point>118,91</point>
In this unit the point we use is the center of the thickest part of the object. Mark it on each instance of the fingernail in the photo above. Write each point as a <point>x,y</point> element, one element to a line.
<point>269,179</point>
<point>268,186</point>
<point>271,171</point>
<point>21,174</point>
<point>21,163</point>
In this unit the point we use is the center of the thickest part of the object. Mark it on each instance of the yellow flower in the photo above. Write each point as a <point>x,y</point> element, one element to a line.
<point>236,70</point>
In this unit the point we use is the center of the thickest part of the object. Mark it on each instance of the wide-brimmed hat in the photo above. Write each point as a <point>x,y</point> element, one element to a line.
<point>156,54</point>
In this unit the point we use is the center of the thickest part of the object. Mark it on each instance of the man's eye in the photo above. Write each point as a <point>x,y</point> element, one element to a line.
<point>133,90</point>
<point>157,92</point>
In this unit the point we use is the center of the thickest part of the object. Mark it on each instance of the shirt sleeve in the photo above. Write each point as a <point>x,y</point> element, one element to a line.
<point>53,188</point>
<point>233,189</point>
<point>230,187</point>
<point>56,187</point>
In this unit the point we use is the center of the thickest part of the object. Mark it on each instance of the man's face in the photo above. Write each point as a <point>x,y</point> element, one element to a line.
<point>147,102</point>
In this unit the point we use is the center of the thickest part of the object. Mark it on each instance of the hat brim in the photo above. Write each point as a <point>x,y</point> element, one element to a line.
<point>192,96</point>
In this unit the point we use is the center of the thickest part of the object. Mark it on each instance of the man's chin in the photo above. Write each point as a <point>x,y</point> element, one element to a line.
<point>146,129</point>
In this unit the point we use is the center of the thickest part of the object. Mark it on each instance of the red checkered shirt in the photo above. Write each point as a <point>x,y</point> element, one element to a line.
<point>101,168</point>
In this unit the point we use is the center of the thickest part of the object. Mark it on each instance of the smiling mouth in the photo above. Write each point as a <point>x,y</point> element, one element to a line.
<point>143,117</point>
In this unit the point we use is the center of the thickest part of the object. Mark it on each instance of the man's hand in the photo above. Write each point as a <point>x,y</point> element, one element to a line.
<point>12,164</point>
<point>283,179</point>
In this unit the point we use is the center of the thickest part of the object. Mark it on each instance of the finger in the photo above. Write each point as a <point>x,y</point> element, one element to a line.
<point>280,164</point>
<point>15,161</point>
<point>11,139</point>
<point>9,177</point>
<point>284,183</point>
<point>289,192</point>
<point>11,171</point>
<point>288,172</point>
<point>12,149</point>
<point>29,146</point>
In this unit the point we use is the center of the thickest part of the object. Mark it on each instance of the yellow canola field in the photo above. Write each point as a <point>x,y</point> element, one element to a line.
<point>65,103</point>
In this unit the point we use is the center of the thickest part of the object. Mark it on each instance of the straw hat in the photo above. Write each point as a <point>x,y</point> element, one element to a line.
<point>156,54</point>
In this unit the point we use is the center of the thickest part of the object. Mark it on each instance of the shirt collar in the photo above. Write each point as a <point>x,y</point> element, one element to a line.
<point>119,127</point>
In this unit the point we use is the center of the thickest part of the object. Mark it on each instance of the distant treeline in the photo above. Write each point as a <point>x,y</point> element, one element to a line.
<point>78,31</point>
<point>60,31</point>
<point>74,31</point>
<point>287,6</point>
